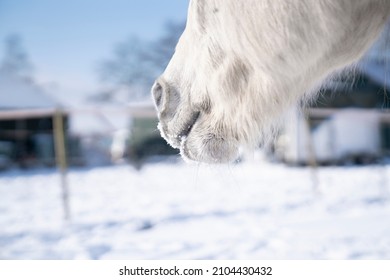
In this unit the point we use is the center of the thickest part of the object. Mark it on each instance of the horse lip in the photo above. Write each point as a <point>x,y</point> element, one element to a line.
<point>188,127</point>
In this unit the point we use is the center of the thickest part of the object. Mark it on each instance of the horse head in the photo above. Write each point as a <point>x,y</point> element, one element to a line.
<point>240,64</point>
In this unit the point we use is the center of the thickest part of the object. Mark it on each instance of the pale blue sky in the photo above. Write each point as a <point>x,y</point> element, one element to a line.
<point>66,39</point>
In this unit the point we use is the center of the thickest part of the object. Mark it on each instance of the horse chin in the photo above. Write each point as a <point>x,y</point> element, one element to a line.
<point>211,149</point>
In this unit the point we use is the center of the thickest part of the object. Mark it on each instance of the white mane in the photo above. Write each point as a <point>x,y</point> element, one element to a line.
<point>240,64</point>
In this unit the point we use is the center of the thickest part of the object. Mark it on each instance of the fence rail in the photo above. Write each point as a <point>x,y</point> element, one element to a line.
<point>327,112</point>
<point>134,111</point>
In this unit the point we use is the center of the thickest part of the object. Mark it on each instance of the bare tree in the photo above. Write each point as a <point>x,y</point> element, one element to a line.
<point>135,64</point>
<point>16,60</point>
<point>164,47</point>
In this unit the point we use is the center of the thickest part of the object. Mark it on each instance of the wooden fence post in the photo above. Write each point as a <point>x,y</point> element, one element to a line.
<point>311,152</point>
<point>61,160</point>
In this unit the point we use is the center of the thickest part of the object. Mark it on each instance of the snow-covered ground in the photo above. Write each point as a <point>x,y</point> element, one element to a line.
<point>177,211</point>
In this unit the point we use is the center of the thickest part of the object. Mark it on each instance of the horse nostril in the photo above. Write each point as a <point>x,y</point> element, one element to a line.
<point>157,92</point>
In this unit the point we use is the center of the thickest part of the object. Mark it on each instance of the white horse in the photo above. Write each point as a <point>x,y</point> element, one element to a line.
<point>240,64</point>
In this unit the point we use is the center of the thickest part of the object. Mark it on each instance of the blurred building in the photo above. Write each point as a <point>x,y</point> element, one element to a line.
<point>26,122</point>
<point>145,142</point>
<point>348,122</point>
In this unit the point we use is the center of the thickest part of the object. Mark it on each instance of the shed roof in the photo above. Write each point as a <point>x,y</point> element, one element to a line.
<point>20,93</point>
